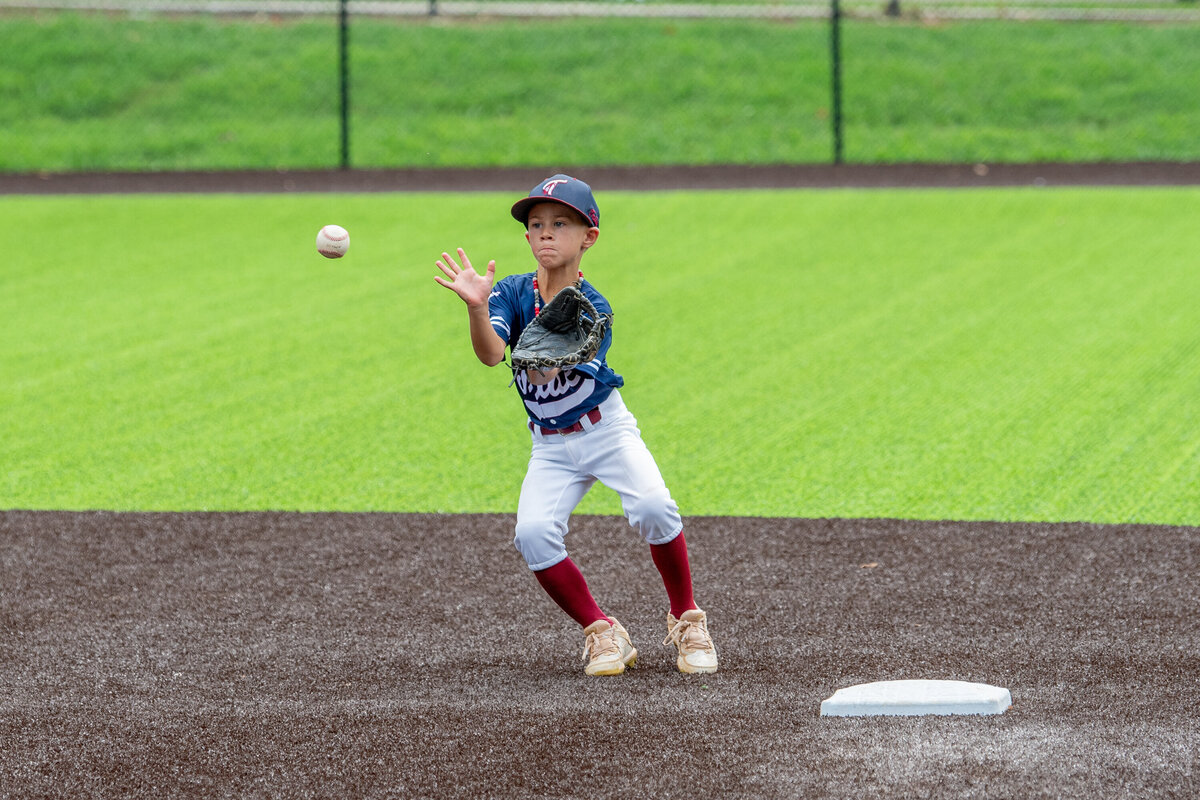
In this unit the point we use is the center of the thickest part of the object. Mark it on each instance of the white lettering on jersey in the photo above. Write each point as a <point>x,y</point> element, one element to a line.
<point>568,390</point>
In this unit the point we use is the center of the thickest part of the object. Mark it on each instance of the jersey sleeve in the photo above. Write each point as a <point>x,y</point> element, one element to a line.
<point>504,310</point>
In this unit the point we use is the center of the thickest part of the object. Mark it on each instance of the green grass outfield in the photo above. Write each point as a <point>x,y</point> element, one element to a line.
<point>96,92</point>
<point>1022,354</point>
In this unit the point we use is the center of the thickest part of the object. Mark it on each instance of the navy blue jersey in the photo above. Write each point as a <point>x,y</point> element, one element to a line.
<point>574,391</point>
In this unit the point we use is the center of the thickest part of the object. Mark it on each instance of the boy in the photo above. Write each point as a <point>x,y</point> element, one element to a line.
<point>581,432</point>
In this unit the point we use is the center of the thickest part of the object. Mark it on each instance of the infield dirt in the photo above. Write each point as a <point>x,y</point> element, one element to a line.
<point>675,178</point>
<point>391,655</point>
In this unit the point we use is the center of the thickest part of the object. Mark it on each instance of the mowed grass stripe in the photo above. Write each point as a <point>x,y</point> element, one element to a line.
<point>944,353</point>
<point>1011,354</point>
<point>244,344</point>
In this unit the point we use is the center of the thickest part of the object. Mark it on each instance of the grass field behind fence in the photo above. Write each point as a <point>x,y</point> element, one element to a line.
<point>113,92</point>
<point>1010,354</point>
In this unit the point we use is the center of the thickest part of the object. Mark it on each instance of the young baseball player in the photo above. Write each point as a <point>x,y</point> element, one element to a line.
<point>581,431</point>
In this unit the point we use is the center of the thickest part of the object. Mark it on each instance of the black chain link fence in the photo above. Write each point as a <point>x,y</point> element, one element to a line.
<point>242,84</point>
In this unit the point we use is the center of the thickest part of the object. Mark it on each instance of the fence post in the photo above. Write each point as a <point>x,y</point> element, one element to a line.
<point>344,74</point>
<point>835,29</point>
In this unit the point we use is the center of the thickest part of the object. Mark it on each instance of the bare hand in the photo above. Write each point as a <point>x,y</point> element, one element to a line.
<point>464,281</point>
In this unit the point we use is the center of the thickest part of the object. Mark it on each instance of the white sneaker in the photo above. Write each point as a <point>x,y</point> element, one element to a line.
<point>607,648</point>
<point>689,634</point>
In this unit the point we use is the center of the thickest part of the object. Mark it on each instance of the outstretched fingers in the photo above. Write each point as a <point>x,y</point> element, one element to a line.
<point>465,261</point>
<point>464,280</point>
<point>448,266</point>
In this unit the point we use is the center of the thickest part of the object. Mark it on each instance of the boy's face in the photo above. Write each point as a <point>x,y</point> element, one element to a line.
<point>557,235</point>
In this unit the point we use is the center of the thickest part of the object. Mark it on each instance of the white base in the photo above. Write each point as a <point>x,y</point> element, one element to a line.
<point>916,698</point>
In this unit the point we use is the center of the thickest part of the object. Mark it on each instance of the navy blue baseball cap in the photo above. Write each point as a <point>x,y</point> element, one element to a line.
<point>571,192</point>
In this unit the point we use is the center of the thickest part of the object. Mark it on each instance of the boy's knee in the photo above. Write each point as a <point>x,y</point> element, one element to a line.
<point>540,543</point>
<point>655,516</point>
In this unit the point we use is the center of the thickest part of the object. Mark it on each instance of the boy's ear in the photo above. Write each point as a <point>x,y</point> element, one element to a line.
<point>590,239</point>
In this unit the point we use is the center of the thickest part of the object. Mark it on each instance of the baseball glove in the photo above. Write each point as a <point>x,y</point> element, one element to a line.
<point>567,332</point>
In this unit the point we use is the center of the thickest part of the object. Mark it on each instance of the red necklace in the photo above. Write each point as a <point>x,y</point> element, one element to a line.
<point>537,296</point>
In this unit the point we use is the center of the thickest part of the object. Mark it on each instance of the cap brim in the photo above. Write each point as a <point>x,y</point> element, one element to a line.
<point>520,209</point>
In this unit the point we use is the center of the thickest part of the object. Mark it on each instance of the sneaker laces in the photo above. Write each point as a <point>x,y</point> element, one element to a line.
<point>602,643</point>
<point>688,637</point>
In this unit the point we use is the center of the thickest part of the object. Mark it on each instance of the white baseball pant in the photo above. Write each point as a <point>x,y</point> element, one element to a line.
<point>562,468</point>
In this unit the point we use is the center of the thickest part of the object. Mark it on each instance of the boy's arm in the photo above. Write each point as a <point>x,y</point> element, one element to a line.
<point>474,289</point>
<point>489,347</point>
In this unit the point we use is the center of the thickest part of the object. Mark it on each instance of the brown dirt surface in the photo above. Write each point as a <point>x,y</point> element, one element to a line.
<point>394,655</point>
<point>613,178</point>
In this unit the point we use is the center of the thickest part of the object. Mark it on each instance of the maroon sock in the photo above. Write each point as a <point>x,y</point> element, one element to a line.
<point>672,562</point>
<point>565,584</point>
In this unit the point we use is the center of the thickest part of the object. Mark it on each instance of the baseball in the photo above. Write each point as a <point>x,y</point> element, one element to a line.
<point>333,241</point>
